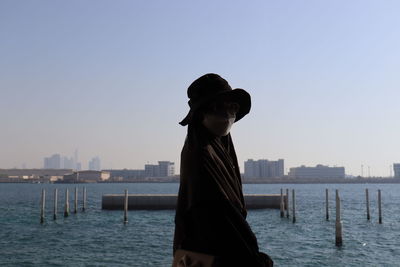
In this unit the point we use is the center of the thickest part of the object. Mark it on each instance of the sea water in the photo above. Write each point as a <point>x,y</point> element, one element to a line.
<point>99,237</point>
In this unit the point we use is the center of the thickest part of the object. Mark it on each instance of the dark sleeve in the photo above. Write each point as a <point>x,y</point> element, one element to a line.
<point>222,229</point>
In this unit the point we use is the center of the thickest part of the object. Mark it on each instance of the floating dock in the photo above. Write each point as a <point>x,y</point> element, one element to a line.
<point>168,201</point>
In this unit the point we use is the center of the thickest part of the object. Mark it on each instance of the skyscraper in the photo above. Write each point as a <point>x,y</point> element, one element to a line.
<point>68,163</point>
<point>77,165</point>
<point>94,164</point>
<point>396,168</point>
<point>52,162</point>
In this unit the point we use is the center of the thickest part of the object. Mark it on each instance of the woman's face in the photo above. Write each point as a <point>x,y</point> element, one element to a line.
<point>219,117</point>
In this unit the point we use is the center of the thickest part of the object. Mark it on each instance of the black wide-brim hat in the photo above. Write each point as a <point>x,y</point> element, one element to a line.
<point>210,87</point>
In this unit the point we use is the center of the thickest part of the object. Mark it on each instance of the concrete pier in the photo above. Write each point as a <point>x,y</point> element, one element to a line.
<point>168,201</point>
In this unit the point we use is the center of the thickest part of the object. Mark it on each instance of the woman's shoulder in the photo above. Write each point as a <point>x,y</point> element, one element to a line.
<point>196,149</point>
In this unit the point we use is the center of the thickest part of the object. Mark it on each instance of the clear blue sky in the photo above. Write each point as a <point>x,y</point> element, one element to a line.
<point>110,78</point>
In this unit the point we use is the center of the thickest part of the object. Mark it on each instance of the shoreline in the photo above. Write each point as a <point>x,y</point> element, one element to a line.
<point>244,181</point>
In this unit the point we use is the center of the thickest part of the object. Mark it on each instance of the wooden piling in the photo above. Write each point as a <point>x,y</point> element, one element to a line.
<point>327,204</point>
<point>380,206</point>
<point>282,204</point>
<point>287,203</point>
<point>66,206</point>
<point>55,204</point>
<point>76,201</point>
<point>367,203</point>
<point>294,206</point>
<point>43,206</point>
<point>126,207</point>
<point>84,199</point>
<point>338,232</point>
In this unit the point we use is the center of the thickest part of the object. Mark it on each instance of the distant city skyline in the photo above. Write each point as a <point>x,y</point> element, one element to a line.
<point>111,79</point>
<point>364,170</point>
<point>259,168</point>
<point>58,161</point>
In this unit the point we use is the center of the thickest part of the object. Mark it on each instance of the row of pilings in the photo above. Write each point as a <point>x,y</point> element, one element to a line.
<point>284,205</point>
<point>66,203</point>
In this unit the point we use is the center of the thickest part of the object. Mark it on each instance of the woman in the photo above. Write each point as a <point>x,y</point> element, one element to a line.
<point>210,221</point>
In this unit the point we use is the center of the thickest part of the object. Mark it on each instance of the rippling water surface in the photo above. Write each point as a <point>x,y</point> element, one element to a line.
<point>99,238</point>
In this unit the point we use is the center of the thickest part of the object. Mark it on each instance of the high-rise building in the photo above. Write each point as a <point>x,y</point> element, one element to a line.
<point>94,164</point>
<point>320,171</point>
<point>52,162</point>
<point>57,161</point>
<point>276,168</point>
<point>396,169</point>
<point>263,168</point>
<point>251,169</point>
<point>76,156</point>
<point>68,163</point>
<point>78,166</point>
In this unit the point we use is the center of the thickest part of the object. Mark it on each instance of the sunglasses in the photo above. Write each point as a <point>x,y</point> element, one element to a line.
<point>222,106</point>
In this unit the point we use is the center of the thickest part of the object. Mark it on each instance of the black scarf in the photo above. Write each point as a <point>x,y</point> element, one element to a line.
<point>209,164</point>
<point>211,213</point>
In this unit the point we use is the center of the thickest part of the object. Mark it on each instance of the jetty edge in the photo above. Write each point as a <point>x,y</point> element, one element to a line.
<point>168,201</point>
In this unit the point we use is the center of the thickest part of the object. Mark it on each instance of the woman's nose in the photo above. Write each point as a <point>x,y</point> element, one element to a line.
<point>229,113</point>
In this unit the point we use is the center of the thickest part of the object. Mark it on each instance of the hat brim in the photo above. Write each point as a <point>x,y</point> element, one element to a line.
<point>237,95</point>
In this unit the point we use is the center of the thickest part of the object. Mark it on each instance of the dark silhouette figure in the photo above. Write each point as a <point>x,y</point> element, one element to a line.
<point>210,222</point>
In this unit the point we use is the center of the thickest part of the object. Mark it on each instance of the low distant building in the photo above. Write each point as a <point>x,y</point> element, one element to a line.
<point>319,171</point>
<point>151,170</point>
<point>88,176</point>
<point>127,174</point>
<point>263,168</point>
<point>396,168</point>
<point>163,169</point>
<point>166,168</point>
<point>35,174</point>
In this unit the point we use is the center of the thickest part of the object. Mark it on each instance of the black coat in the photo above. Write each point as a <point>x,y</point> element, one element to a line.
<point>211,213</point>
